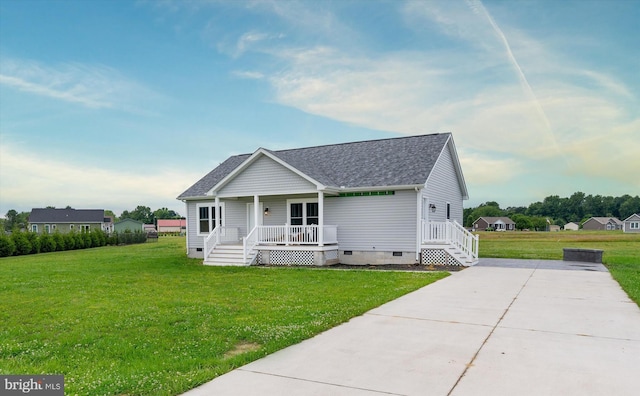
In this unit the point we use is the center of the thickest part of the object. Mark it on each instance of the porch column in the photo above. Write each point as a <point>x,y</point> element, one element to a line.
<point>216,215</point>
<point>256,211</point>
<point>320,218</point>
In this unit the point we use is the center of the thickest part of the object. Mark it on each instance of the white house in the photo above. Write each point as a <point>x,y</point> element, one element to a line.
<point>632,223</point>
<point>571,226</point>
<point>388,201</point>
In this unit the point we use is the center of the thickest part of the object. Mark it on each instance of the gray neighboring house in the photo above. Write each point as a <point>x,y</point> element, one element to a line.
<point>387,201</point>
<point>632,224</point>
<point>495,223</point>
<point>602,223</point>
<point>49,220</point>
<point>128,224</point>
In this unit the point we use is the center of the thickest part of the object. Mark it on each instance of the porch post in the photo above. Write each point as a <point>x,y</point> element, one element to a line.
<point>320,218</point>
<point>256,211</point>
<point>419,222</point>
<point>216,215</point>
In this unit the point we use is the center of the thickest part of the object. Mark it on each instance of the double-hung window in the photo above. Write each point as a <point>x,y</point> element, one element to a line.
<point>635,225</point>
<point>207,217</point>
<point>303,212</point>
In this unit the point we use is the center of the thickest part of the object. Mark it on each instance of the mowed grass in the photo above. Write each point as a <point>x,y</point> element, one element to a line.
<point>621,251</point>
<point>146,320</point>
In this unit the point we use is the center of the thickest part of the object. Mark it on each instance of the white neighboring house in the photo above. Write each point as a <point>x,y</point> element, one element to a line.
<point>388,201</point>
<point>632,224</point>
<point>571,226</point>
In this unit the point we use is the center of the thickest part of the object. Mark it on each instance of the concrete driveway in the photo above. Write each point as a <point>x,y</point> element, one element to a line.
<point>505,327</point>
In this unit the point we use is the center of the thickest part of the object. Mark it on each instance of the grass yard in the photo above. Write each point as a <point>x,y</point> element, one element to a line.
<point>146,320</point>
<point>621,251</point>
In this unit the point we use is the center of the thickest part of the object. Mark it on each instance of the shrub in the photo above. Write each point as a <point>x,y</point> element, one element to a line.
<point>47,244</point>
<point>35,242</point>
<point>21,242</point>
<point>86,237</point>
<point>59,240</point>
<point>7,247</point>
<point>70,240</point>
<point>79,240</point>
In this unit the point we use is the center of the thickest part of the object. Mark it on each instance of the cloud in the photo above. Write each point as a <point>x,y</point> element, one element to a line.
<point>29,179</point>
<point>92,86</point>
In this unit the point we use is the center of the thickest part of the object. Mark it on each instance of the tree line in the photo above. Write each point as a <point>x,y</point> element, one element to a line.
<point>20,221</point>
<point>557,210</point>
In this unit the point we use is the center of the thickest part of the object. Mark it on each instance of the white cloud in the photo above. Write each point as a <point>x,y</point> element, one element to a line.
<point>92,86</point>
<point>30,179</point>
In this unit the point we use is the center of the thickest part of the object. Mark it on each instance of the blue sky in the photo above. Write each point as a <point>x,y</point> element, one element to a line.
<point>114,104</point>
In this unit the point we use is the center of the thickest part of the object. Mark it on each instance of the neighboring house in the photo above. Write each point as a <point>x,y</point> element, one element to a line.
<point>389,201</point>
<point>553,227</point>
<point>632,223</point>
<point>571,226</point>
<point>173,225</point>
<point>602,223</point>
<point>129,224</point>
<point>49,220</point>
<point>494,223</point>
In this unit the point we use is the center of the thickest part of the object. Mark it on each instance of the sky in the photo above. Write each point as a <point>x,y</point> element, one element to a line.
<point>115,104</point>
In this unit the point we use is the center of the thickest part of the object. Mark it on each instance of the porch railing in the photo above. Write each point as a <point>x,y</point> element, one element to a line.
<point>451,232</point>
<point>296,234</point>
<point>219,235</point>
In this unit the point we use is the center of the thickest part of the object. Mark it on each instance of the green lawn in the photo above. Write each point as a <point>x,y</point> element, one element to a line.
<point>145,320</point>
<point>621,251</point>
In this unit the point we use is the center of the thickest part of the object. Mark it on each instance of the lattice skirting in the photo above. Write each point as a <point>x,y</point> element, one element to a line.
<point>437,257</point>
<point>290,257</point>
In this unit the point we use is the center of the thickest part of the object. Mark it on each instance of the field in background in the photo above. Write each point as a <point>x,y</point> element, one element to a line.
<point>621,251</point>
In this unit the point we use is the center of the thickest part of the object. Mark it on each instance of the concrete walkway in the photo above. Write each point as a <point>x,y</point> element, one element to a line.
<point>501,328</point>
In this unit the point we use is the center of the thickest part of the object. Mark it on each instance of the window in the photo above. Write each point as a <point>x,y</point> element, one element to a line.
<point>34,227</point>
<point>207,217</point>
<point>47,228</point>
<point>448,211</point>
<point>635,226</point>
<point>54,227</point>
<point>85,228</point>
<point>305,212</point>
<point>71,227</point>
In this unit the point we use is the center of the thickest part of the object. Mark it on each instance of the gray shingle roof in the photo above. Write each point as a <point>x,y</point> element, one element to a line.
<point>372,163</point>
<point>50,215</point>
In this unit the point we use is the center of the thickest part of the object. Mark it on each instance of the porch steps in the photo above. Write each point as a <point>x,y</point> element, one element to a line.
<point>227,255</point>
<point>460,256</point>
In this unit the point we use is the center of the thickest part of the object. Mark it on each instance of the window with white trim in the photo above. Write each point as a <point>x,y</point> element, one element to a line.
<point>85,228</point>
<point>47,228</point>
<point>207,217</point>
<point>34,227</point>
<point>303,212</point>
<point>635,225</point>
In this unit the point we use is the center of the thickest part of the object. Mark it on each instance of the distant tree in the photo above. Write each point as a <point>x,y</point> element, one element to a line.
<point>16,221</point>
<point>164,213</point>
<point>140,213</point>
<point>522,221</point>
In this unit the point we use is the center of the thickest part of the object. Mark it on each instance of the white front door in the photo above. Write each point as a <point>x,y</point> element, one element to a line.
<point>250,216</point>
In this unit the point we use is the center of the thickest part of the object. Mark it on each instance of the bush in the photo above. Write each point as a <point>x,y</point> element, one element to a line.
<point>35,242</point>
<point>21,242</point>
<point>47,244</point>
<point>69,240</point>
<point>79,240</point>
<point>7,247</point>
<point>86,238</point>
<point>59,240</point>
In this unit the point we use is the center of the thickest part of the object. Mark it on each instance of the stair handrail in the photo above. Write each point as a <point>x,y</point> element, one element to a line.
<point>464,240</point>
<point>211,241</point>
<point>249,243</point>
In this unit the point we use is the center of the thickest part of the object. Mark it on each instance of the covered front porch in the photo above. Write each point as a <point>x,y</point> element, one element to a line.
<point>263,229</point>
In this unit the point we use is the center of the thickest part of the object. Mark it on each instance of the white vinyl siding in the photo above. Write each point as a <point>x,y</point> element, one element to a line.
<point>374,223</point>
<point>443,188</point>
<point>266,177</point>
